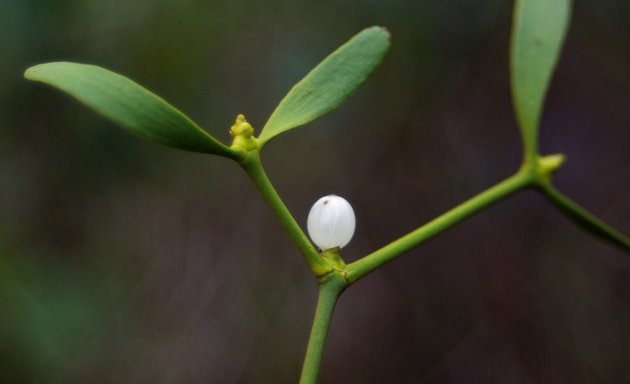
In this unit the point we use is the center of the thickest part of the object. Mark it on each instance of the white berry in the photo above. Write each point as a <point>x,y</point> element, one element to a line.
<point>331,222</point>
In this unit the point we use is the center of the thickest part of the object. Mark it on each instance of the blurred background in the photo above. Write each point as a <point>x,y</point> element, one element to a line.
<point>125,262</point>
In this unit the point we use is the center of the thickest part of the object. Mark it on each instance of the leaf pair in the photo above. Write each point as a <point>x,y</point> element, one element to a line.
<point>142,112</point>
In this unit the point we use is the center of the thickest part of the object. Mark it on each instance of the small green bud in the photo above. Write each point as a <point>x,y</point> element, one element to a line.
<point>243,134</point>
<point>551,163</point>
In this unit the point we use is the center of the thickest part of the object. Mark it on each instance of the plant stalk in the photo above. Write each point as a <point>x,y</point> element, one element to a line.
<point>329,292</point>
<point>584,218</point>
<point>254,168</point>
<point>369,263</point>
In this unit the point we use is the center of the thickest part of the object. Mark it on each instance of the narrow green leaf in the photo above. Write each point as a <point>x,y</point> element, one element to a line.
<point>128,104</point>
<point>329,84</point>
<point>538,32</point>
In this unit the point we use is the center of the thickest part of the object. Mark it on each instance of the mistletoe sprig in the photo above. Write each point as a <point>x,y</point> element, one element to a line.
<point>538,34</point>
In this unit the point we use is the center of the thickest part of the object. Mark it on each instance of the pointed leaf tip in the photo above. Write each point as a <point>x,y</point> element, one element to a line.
<point>330,83</point>
<point>128,104</point>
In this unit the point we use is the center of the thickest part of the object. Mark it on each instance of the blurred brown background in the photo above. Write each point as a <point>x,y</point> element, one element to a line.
<point>125,262</point>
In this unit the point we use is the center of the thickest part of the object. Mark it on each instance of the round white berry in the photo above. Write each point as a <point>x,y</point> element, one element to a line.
<point>331,222</point>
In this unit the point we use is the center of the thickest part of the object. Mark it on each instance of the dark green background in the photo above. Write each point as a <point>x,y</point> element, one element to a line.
<point>125,262</point>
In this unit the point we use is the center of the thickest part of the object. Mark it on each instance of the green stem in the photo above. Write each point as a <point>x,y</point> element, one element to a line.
<point>584,218</point>
<point>369,263</point>
<point>329,292</point>
<point>253,166</point>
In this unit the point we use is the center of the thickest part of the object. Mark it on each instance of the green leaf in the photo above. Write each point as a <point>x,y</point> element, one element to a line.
<point>128,104</point>
<point>538,33</point>
<point>329,84</point>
